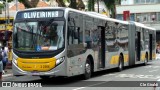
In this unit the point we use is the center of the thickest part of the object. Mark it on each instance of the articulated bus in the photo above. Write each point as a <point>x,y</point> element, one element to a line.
<point>66,42</point>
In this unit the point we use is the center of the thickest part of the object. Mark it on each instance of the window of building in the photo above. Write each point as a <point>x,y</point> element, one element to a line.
<point>146,1</point>
<point>146,17</point>
<point>153,1</point>
<point>137,1</point>
<point>158,16</point>
<point>143,1</point>
<point>158,1</point>
<point>153,16</point>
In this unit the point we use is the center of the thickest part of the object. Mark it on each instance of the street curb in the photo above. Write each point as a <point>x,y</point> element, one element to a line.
<point>7,75</point>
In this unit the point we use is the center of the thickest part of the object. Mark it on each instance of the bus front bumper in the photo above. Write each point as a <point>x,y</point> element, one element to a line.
<point>56,71</point>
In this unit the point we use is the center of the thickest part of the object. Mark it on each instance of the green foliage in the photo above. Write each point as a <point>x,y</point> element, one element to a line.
<point>91,5</point>
<point>1,6</point>
<point>5,0</point>
<point>66,1</point>
<point>110,4</point>
<point>20,0</point>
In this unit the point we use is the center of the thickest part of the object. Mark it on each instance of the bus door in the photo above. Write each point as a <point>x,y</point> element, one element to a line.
<point>138,46</point>
<point>101,55</point>
<point>150,46</point>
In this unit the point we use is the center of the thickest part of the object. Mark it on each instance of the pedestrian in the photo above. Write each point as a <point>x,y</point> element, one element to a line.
<point>1,65</point>
<point>4,59</point>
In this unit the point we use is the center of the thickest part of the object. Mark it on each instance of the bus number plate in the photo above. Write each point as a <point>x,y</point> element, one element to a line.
<point>44,66</point>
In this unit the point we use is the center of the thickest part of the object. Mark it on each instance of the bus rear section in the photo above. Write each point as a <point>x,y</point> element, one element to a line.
<point>142,42</point>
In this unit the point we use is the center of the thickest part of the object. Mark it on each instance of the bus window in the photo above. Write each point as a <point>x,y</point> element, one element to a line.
<point>73,30</point>
<point>34,35</point>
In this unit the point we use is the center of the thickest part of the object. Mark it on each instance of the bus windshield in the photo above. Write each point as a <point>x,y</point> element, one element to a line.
<point>38,35</point>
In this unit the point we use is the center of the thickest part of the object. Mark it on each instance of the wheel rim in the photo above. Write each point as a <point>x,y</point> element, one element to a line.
<point>120,65</point>
<point>120,62</point>
<point>88,68</point>
<point>145,61</point>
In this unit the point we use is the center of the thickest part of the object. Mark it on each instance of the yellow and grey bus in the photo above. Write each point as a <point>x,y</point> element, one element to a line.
<point>66,42</point>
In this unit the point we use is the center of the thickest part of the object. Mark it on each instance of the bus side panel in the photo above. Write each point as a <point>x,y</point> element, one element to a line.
<point>131,35</point>
<point>152,45</point>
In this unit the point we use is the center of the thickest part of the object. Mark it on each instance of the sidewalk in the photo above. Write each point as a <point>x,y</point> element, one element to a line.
<point>157,56</point>
<point>9,71</point>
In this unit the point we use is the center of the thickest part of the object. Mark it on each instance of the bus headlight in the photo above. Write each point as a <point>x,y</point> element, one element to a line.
<point>15,61</point>
<point>60,60</point>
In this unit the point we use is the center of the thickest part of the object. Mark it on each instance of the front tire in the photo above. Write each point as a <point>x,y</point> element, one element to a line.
<point>45,77</point>
<point>146,60</point>
<point>120,65</point>
<point>88,70</point>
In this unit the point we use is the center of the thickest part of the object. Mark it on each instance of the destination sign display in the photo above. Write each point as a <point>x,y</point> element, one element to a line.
<point>39,14</point>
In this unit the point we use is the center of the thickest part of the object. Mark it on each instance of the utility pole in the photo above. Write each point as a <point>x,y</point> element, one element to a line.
<point>98,5</point>
<point>16,5</point>
<point>7,21</point>
<point>8,12</point>
<point>5,15</point>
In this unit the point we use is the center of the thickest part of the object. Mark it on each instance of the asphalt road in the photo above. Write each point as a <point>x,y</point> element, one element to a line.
<point>138,77</point>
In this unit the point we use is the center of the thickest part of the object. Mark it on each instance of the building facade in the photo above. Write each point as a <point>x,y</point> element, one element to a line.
<point>143,11</point>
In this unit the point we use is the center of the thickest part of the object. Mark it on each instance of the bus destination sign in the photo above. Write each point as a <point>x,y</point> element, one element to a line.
<point>39,14</point>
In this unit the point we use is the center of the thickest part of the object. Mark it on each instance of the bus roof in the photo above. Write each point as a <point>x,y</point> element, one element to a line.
<point>92,14</point>
<point>97,15</point>
<point>143,26</point>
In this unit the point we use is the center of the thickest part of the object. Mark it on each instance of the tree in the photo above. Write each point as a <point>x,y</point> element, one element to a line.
<point>27,3</point>
<point>76,4</point>
<point>73,4</point>
<point>1,7</point>
<point>91,4</point>
<point>80,4</point>
<point>61,3</point>
<point>111,6</point>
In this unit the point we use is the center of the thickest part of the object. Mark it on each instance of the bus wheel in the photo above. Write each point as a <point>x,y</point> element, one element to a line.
<point>44,77</point>
<point>120,65</point>
<point>88,70</point>
<point>146,60</point>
